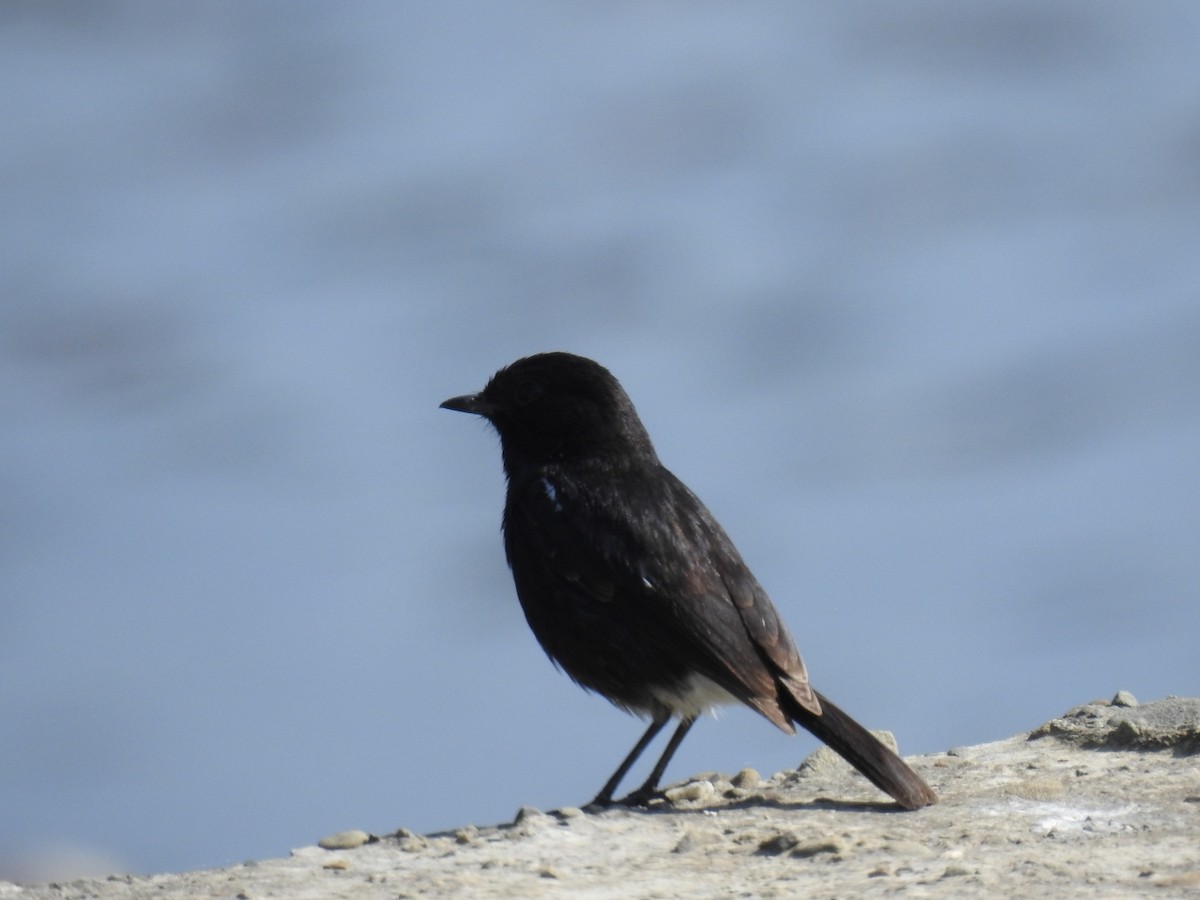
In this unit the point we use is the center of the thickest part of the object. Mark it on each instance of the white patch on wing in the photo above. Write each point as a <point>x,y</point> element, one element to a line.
<point>646,582</point>
<point>551,493</point>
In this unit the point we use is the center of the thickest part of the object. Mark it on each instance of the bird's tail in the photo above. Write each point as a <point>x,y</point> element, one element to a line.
<point>861,749</point>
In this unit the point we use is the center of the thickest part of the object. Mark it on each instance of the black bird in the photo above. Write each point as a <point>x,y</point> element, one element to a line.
<point>629,583</point>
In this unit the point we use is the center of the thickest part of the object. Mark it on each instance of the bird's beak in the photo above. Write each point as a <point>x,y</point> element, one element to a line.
<point>470,403</point>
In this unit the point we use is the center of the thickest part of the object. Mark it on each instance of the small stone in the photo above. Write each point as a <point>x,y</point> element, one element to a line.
<point>529,820</point>
<point>825,761</point>
<point>525,813</point>
<point>746,779</point>
<point>336,865</point>
<point>814,848</point>
<point>344,840</point>
<point>1124,698</point>
<point>955,871</point>
<point>548,872</point>
<point>413,844</point>
<point>780,843</point>
<point>569,812</point>
<point>466,834</point>
<point>693,790</point>
<point>888,740</point>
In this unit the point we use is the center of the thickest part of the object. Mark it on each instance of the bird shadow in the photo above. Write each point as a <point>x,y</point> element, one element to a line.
<point>748,803</point>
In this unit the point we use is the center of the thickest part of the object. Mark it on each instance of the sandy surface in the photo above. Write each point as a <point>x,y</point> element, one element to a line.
<point>1103,802</point>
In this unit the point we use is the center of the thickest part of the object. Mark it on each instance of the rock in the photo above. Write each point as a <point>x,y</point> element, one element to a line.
<point>779,843</point>
<point>344,840</point>
<point>1173,722</point>
<point>1039,819</point>
<point>805,849</point>
<point>527,813</point>
<point>528,820</point>
<point>824,761</point>
<point>746,780</point>
<point>693,790</point>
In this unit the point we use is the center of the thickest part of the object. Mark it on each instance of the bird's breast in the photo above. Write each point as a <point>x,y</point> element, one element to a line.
<point>694,695</point>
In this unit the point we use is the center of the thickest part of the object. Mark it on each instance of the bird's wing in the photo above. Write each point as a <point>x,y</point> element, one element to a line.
<point>639,565</point>
<point>755,610</point>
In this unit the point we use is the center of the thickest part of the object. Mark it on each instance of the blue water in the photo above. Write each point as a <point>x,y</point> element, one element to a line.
<point>910,295</point>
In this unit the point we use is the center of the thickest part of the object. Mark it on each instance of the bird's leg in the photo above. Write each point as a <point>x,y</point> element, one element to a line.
<point>605,797</point>
<point>649,790</point>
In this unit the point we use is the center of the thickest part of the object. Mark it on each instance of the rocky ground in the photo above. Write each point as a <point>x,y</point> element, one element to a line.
<point>1103,802</point>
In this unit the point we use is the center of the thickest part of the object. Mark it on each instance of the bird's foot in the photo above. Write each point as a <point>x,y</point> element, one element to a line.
<point>638,799</point>
<point>642,797</point>
<point>601,801</point>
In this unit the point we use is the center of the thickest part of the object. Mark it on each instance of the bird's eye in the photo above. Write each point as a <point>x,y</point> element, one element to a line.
<point>528,391</point>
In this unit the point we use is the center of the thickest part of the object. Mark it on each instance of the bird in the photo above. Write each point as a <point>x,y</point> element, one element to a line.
<point>631,586</point>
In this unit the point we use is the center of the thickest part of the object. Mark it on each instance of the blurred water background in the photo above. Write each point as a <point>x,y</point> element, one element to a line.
<point>909,294</point>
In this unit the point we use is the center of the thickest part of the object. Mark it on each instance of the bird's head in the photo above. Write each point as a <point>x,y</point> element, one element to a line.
<point>557,407</point>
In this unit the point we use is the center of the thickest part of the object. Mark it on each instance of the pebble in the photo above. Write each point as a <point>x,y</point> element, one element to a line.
<point>746,779</point>
<point>529,820</point>
<point>344,840</point>
<point>525,813</point>
<point>816,847</point>
<point>780,843</point>
<point>693,790</point>
<point>789,842</point>
<point>409,840</point>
